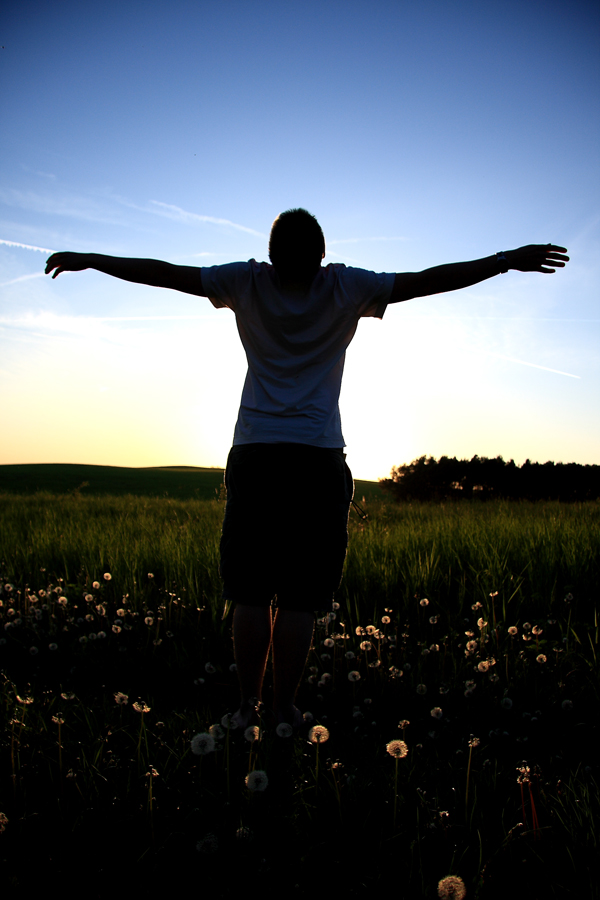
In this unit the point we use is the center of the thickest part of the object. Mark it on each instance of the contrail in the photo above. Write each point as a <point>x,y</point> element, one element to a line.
<point>23,277</point>
<point>177,212</point>
<point>25,246</point>
<point>523,363</point>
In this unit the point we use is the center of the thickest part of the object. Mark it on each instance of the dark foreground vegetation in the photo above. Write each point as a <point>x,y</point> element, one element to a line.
<point>468,632</point>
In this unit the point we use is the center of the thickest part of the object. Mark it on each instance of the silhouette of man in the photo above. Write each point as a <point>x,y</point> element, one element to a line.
<point>289,490</point>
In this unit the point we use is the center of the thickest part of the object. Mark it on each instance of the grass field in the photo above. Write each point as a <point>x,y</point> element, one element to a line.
<point>469,632</point>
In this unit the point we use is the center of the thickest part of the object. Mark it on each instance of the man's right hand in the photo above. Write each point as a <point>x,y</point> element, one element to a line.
<point>67,262</point>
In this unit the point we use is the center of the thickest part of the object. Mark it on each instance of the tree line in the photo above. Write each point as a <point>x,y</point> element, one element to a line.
<point>428,478</point>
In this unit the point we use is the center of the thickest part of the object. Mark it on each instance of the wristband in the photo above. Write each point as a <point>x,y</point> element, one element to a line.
<point>502,261</point>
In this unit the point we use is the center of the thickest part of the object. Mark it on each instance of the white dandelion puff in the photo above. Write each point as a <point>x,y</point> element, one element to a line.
<point>202,744</point>
<point>257,780</point>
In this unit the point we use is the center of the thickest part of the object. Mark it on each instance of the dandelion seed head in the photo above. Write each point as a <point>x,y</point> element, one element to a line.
<point>121,699</point>
<point>433,620</point>
<point>385,620</point>
<point>58,720</point>
<point>328,642</point>
<point>24,701</point>
<point>403,723</point>
<point>483,666</point>
<point>208,844</point>
<point>397,749</point>
<point>471,645</point>
<point>318,734</point>
<point>452,888</point>
<point>359,631</point>
<point>371,629</point>
<point>481,623</point>
<point>257,780</point>
<point>209,668</point>
<point>148,620</point>
<point>107,576</point>
<point>217,732</point>
<point>526,626</point>
<point>349,655</point>
<point>226,722</point>
<point>62,601</point>
<point>436,712</point>
<point>506,703</point>
<point>421,689</point>
<point>284,730</point>
<point>567,704</point>
<point>536,629</point>
<point>541,658</point>
<point>354,676</point>
<point>424,602</point>
<point>474,742</point>
<point>202,744</point>
<point>33,651</point>
<point>476,606</point>
<point>53,646</point>
<point>366,645</point>
<point>253,733</point>
<point>141,707</point>
<point>117,629</point>
<point>513,630</point>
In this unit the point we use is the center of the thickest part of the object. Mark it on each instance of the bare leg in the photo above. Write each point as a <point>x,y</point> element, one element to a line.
<point>292,637</point>
<point>252,631</point>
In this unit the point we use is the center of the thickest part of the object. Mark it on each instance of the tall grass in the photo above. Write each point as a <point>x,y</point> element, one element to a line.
<point>498,785</point>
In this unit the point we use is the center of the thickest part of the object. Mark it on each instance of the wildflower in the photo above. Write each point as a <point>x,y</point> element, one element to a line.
<point>366,645</point>
<point>107,576</point>
<point>474,742</point>
<point>424,602</point>
<point>452,888</point>
<point>121,699</point>
<point>318,734</point>
<point>354,676</point>
<point>541,658</point>
<point>421,689</point>
<point>436,712</point>
<point>397,749</point>
<point>512,630</point>
<point>52,646</point>
<point>506,703</point>
<point>284,730</point>
<point>253,733</point>
<point>202,744</point>
<point>141,707</point>
<point>385,620</point>
<point>257,780</point>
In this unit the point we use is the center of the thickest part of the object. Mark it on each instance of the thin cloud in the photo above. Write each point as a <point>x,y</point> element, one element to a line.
<point>182,215</point>
<point>25,247</point>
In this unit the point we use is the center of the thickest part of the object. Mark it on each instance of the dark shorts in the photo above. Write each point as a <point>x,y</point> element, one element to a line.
<point>285,532</point>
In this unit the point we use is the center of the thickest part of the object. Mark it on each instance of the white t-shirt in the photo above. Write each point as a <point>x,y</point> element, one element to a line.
<point>295,344</point>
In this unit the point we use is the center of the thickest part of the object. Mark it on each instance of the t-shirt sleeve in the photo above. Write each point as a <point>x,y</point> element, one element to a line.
<point>224,284</point>
<point>372,291</point>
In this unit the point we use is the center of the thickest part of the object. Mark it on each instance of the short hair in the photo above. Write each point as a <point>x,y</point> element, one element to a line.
<point>296,244</point>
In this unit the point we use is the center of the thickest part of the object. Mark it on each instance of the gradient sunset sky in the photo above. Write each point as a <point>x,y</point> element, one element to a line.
<point>417,133</point>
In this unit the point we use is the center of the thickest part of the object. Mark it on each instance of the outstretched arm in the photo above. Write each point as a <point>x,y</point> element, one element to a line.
<point>141,271</point>
<point>438,280</point>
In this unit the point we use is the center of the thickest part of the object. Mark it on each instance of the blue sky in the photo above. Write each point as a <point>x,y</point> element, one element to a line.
<point>418,134</point>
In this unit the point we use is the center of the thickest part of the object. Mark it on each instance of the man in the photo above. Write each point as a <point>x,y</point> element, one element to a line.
<point>289,490</point>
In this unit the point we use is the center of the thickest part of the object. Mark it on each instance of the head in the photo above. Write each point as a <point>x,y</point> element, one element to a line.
<point>296,245</point>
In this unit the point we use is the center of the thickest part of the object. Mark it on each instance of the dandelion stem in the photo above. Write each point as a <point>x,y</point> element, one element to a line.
<point>467,788</point>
